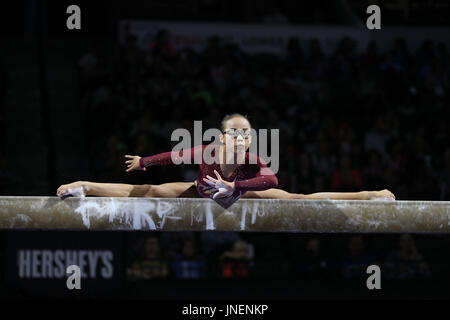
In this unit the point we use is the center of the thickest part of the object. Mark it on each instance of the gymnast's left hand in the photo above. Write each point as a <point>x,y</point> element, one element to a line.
<point>133,163</point>
<point>225,188</point>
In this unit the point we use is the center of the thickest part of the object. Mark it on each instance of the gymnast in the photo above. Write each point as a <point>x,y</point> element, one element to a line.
<point>231,177</point>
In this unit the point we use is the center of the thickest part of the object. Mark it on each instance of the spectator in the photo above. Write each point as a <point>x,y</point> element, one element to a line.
<point>306,175</point>
<point>376,138</point>
<point>314,262</point>
<point>150,265</point>
<point>356,260</point>
<point>172,243</point>
<point>188,264</point>
<point>216,242</point>
<point>162,46</point>
<point>406,262</point>
<point>236,263</point>
<point>374,173</point>
<point>346,179</point>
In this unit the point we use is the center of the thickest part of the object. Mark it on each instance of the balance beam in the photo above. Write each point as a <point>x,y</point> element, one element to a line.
<point>268,215</point>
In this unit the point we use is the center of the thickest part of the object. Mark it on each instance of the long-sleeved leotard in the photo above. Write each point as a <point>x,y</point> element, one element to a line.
<point>252,175</point>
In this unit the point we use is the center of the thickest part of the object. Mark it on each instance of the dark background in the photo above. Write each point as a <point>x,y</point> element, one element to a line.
<point>72,103</point>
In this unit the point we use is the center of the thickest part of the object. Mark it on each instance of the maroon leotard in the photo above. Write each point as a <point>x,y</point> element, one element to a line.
<point>253,175</point>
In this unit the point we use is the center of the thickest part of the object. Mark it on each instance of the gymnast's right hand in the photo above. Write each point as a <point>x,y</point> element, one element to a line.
<point>133,163</point>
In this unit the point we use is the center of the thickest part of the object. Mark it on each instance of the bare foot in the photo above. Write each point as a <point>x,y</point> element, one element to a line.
<point>383,194</point>
<point>75,189</point>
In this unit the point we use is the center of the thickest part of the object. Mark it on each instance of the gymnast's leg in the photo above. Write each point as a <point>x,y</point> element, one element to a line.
<point>281,194</point>
<point>166,190</point>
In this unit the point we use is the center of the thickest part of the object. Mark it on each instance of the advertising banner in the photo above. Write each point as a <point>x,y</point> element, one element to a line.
<point>38,261</point>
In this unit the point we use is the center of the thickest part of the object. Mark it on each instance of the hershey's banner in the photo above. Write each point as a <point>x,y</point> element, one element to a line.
<point>251,38</point>
<point>37,261</point>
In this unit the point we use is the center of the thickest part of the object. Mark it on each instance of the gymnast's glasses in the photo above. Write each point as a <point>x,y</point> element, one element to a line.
<point>236,132</point>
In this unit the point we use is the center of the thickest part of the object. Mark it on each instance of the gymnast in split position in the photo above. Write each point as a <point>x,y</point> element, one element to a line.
<point>231,177</point>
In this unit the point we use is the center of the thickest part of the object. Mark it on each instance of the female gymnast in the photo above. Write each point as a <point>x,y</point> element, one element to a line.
<point>231,177</point>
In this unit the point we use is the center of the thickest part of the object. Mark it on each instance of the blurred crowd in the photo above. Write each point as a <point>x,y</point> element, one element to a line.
<point>3,91</point>
<point>348,120</point>
<point>187,255</point>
